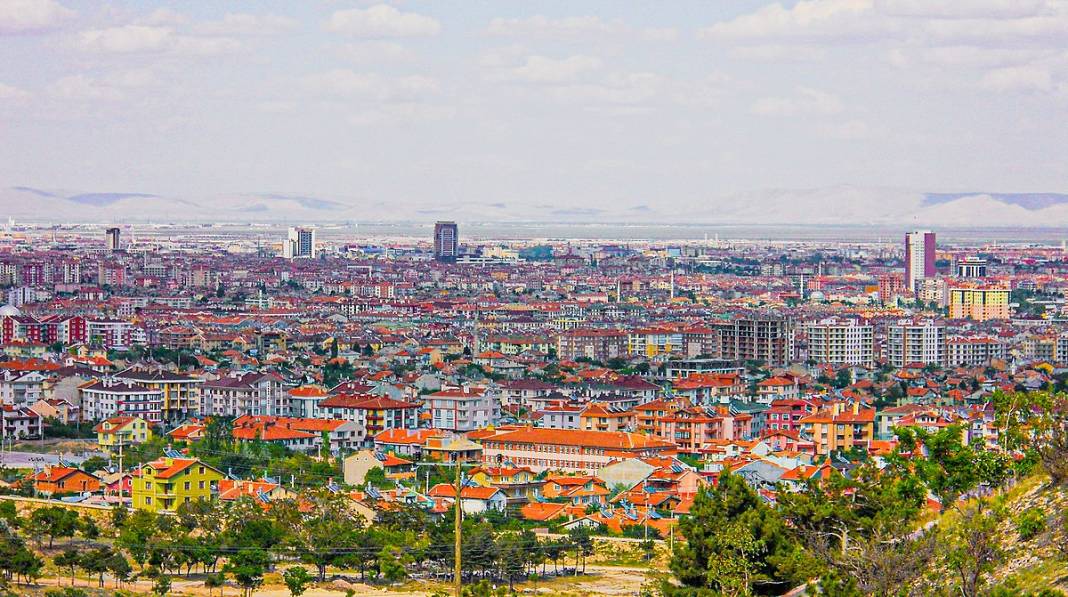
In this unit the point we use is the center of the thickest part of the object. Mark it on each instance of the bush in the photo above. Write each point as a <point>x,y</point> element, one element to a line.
<point>66,592</point>
<point>1030,523</point>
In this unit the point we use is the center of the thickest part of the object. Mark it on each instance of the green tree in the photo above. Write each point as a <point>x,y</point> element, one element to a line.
<point>119,567</point>
<point>297,580</point>
<point>214,581</point>
<point>94,463</point>
<point>328,536</point>
<point>53,521</point>
<point>96,563</point>
<point>390,565</point>
<point>582,542</point>
<point>69,558</point>
<point>971,547</point>
<point>8,513</point>
<point>162,586</point>
<point>765,560</point>
<point>513,557</point>
<point>248,566</point>
<point>136,534</point>
<point>950,467</point>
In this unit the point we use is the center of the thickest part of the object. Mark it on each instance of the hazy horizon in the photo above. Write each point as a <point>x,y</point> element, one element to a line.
<point>591,111</point>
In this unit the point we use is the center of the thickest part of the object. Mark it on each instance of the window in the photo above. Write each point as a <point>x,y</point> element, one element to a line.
<point>187,485</point>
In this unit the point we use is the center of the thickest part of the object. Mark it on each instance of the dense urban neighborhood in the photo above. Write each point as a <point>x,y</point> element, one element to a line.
<point>189,408</point>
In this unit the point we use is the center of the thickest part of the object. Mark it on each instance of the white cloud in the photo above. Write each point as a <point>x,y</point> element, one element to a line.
<point>964,56</point>
<point>165,16</point>
<point>128,38</point>
<point>960,9</point>
<point>806,101</point>
<point>132,79</point>
<point>922,22</point>
<point>659,34</point>
<point>779,53</point>
<point>248,24</point>
<point>617,89</point>
<point>152,39</point>
<point>808,19</point>
<point>7,92</point>
<point>382,21</point>
<point>403,113</point>
<point>541,69</point>
<point>850,130</point>
<point>540,25</point>
<point>83,88</point>
<point>376,52</point>
<point>29,16</point>
<point>370,86</point>
<point>503,56</point>
<point>1018,79</point>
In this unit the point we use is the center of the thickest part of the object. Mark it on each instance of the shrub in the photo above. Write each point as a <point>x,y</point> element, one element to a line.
<point>1030,523</point>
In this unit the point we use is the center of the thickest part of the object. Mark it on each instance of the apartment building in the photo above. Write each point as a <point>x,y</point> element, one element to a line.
<point>766,338</point>
<point>598,345</point>
<point>974,351</point>
<point>110,397</point>
<point>569,450</point>
<point>839,341</point>
<point>981,303</point>
<point>464,409</point>
<point>249,393</point>
<point>909,342</point>
<point>181,393</point>
<point>841,427</point>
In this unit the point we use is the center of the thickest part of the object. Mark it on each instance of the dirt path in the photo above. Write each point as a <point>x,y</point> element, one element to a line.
<point>599,580</point>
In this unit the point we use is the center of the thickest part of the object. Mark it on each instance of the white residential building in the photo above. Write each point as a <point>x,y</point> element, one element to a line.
<point>839,341</point>
<point>464,409</point>
<point>910,342</point>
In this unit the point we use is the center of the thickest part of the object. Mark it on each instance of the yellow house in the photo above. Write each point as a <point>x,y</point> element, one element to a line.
<point>167,483</point>
<point>115,432</point>
<point>519,484</point>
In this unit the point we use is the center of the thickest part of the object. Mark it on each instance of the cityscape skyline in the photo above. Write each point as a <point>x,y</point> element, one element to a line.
<point>595,111</point>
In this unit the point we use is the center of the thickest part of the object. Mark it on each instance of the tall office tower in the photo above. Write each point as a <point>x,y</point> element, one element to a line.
<point>919,257</point>
<point>111,238</point>
<point>446,241</point>
<point>299,243</point>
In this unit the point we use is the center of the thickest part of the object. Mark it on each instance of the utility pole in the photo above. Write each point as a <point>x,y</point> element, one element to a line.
<point>120,469</point>
<point>645,494</point>
<point>458,530</point>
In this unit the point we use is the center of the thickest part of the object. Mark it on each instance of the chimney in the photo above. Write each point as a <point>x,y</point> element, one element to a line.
<point>856,408</point>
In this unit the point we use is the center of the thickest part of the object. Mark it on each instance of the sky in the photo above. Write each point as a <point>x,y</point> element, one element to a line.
<point>576,103</point>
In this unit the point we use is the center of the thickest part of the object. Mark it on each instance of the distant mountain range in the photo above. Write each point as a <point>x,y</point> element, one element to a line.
<point>838,205</point>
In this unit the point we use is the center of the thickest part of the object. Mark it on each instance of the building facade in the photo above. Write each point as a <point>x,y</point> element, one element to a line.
<point>920,252</point>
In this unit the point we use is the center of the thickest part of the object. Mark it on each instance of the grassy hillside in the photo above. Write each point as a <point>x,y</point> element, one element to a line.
<point>1031,540</point>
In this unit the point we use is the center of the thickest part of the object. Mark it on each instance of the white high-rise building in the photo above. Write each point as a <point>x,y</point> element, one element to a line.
<point>909,342</point>
<point>841,341</point>
<point>300,242</point>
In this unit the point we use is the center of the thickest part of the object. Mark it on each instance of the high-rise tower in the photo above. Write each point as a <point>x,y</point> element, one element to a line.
<point>446,241</point>
<point>919,257</point>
